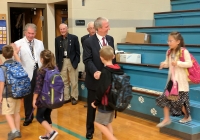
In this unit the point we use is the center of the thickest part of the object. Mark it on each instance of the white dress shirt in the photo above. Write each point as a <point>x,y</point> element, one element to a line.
<point>100,40</point>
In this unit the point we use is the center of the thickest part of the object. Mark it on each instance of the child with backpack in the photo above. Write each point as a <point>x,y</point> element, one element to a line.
<point>43,115</point>
<point>105,113</point>
<point>10,106</point>
<point>176,75</point>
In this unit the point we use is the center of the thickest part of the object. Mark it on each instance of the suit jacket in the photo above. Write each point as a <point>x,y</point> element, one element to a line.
<point>91,59</point>
<point>73,50</point>
<point>84,38</point>
<point>26,57</point>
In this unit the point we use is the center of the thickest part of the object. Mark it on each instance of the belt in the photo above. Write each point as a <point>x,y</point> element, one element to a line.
<point>65,56</point>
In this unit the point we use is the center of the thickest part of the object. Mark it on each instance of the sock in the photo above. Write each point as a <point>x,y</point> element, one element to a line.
<point>14,130</point>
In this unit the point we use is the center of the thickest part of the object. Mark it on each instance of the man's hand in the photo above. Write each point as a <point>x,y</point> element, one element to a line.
<point>97,75</point>
<point>92,104</point>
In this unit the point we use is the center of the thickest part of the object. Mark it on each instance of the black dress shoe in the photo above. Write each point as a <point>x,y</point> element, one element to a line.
<point>74,101</point>
<point>89,136</point>
<point>67,101</point>
<point>27,122</point>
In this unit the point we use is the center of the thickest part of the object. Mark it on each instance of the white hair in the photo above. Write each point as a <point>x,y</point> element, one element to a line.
<point>63,24</point>
<point>98,22</point>
<point>90,23</point>
<point>30,25</point>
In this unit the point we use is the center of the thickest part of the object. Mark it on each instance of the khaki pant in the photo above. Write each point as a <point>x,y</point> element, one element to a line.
<point>70,76</point>
<point>14,106</point>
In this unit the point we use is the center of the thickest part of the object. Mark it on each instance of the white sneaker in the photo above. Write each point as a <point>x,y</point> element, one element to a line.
<point>43,138</point>
<point>53,135</point>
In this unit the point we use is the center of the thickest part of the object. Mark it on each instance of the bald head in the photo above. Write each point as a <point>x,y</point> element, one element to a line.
<point>90,28</point>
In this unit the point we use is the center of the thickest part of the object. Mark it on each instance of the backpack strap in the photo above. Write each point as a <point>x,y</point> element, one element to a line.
<point>181,53</point>
<point>168,52</point>
<point>9,61</point>
<point>5,83</point>
<point>115,113</point>
<point>182,58</point>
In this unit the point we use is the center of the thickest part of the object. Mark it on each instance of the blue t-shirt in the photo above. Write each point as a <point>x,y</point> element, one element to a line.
<point>2,76</point>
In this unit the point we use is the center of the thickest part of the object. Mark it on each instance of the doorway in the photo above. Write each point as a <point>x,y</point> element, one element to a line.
<point>61,16</point>
<point>20,14</point>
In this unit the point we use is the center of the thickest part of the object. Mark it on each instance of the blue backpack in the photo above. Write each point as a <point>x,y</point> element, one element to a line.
<point>17,82</point>
<point>52,94</point>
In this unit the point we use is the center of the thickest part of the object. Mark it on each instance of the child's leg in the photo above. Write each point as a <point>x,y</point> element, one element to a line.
<point>166,114</point>
<point>47,126</point>
<point>42,118</point>
<point>105,130</point>
<point>17,121</point>
<point>109,126</point>
<point>17,115</point>
<point>185,112</point>
<point>47,117</point>
<point>50,132</point>
<point>166,120</point>
<point>11,122</point>
<point>187,116</point>
<point>46,132</point>
<point>8,112</point>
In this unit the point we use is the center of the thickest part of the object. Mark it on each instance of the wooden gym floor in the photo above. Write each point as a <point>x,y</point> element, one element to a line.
<point>69,121</point>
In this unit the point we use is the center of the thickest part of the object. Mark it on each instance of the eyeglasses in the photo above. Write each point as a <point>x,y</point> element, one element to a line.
<point>170,41</point>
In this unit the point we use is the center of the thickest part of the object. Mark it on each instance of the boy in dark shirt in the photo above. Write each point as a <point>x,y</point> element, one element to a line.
<point>105,114</point>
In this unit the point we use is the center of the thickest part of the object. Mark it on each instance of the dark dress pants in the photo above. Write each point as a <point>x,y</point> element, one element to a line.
<point>90,112</point>
<point>28,100</point>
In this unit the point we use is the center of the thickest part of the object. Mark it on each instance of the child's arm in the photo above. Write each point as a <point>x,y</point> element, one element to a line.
<point>1,90</point>
<point>35,95</point>
<point>16,51</point>
<point>16,57</point>
<point>92,104</point>
<point>101,89</point>
<point>1,62</point>
<point>2,80</point>
<point>38,86</point>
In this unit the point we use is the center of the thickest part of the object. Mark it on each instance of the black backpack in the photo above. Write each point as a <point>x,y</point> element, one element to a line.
<point>120,94</point>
